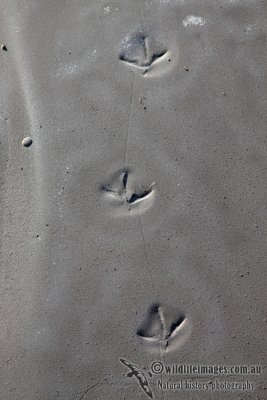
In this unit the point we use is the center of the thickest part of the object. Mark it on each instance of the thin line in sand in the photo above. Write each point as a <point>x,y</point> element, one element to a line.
<point>146,253</point>
<point>129,117</point>
<point>140,218</point>
<point>153,284</point>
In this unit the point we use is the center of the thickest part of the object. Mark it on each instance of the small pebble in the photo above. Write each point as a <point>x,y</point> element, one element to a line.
<point>3,47</point>
<point>27,142</point>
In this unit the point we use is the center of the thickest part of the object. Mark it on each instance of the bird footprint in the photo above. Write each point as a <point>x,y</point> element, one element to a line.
<point>161,324</point>
<point>141,52</point>
<point>120,191</point>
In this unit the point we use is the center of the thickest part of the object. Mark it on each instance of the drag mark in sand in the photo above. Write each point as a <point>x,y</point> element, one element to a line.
<point>146,253</point>
<point>129,118</point>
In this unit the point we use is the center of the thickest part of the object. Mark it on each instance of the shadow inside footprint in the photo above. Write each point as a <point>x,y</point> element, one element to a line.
<point>141,51</point>
<point>160,323</point>
<point>120,192</point>
<point>116,184</point>
<point>138,196</point>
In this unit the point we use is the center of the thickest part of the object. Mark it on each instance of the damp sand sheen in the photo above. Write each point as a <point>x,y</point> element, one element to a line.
<point>133,187</point>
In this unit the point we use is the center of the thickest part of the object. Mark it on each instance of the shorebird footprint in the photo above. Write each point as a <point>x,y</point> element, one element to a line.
<point>124,194</point>
<point>161,324</point>
<point>141,51</point>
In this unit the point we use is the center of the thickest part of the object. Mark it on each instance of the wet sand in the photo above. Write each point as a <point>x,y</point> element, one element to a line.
<point>134,214</point>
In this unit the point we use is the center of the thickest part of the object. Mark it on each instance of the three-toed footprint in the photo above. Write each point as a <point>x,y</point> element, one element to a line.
<point>123,192</point>
<point>141,51</point>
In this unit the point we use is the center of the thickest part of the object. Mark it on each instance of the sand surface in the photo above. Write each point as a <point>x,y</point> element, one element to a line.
<point>133,226</point>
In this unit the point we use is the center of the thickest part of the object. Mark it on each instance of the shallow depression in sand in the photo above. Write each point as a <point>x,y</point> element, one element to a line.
<point>141,51</point>
<point>124,196</point>
<point>164,325</point>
